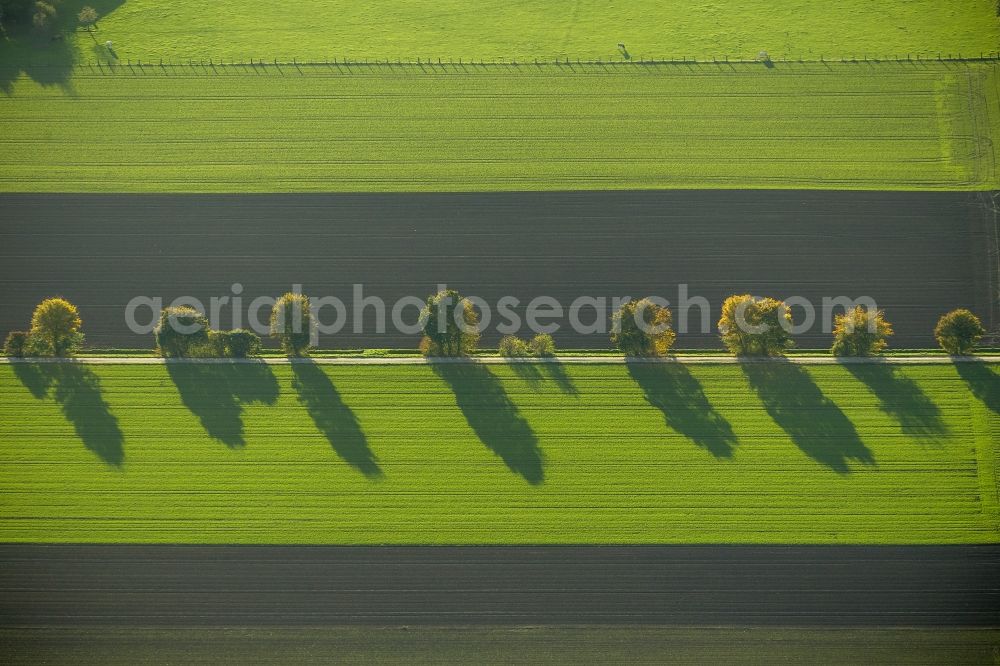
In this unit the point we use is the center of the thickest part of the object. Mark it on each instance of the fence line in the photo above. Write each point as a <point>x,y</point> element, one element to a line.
<point>640,60</point>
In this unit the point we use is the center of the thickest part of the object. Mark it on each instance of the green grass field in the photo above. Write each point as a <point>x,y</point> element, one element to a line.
<point>407,29</point>
<point>387,128</point>
<point>499,454</point>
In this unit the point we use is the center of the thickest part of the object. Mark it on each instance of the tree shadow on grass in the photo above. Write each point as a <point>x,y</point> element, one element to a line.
<point>35,378</point>
<point>494,418</point>
<point>901,398</point>
<point>528,372</point>
<point>983,382</point>
<point>217,392</point>
<point>77,390</point>
<point>557,372</point>
<point>813,421</point>
<point>675,392</point>
<point>534,373</point>
<point>334,419</point>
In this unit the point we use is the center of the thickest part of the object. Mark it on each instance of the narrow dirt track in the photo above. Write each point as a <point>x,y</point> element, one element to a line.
<point>307,585</point>
<point>918,254</point>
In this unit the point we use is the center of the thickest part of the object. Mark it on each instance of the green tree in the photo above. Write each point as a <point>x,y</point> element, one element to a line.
<point>642,328</point>
<point>292,324</point>
<point>958,332</point>
<point>44,15</point>
<point>752,326</point>
<point>860,332</point>
<point>55,328</point>
<point>87,17</point>
<point>450,325</point>
<point>181,332</point>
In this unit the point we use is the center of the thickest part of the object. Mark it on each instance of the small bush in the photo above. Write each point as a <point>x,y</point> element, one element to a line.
<point>291,323</point>
<point>16,344</point>
<point>512,346</point>
<point>182,332</point>
<point>654,337</point>
<point>542,345</point>
<point>958,332</point>
<point>239,343</point>
<point>55,329</point>
<point>753,326</point>
<point>860,332</point>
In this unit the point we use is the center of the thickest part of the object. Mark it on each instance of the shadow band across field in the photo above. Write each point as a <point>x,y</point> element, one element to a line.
<point>814,422</point>
<point>77,389</point>
<point>126,585</point>
<point>217,392</point>
<point>333,418</point>
<point>901,398</point>
<point>536,374</point>
<point>494,418</point>
<point>983,382</point>
<point>674,391</point>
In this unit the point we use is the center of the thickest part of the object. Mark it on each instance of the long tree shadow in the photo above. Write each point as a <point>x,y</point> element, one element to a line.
<point>901,398</point>
<point>528,371</point>
<point>534,373</point>
<point>334,419</point>
<point>983,382</point>
<point>675,392</point>
<point>557,372</point>
<point>77,390</point>
<point>494,418</point>
<point>217,392</point>
<point>813,421</point>
<point>34,377</point>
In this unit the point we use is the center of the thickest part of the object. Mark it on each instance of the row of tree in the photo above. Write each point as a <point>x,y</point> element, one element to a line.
<point>748,326</point>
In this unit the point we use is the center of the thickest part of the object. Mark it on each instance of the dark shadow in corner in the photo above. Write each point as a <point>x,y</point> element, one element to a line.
<point>216,393</point>
<point>813,421</point>
<point>901,398</point>
<point>983,382</point>
<point>333,418</point>
<point>48,56</point>
<point>494,418</point>
<point>675,392</point>
<point>77,389</point>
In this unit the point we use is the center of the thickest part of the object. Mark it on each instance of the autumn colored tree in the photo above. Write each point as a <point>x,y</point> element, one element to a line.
<point>752,326</point>
<point>55,328</point>
<point>642,328</point>
<point>860,332</point>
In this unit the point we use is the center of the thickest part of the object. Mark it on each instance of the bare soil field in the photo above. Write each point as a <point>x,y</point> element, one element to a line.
<point>131,585</point>
<point>917,254</point>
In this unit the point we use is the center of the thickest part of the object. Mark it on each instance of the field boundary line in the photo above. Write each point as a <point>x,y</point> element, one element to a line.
<point>497,360</point>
